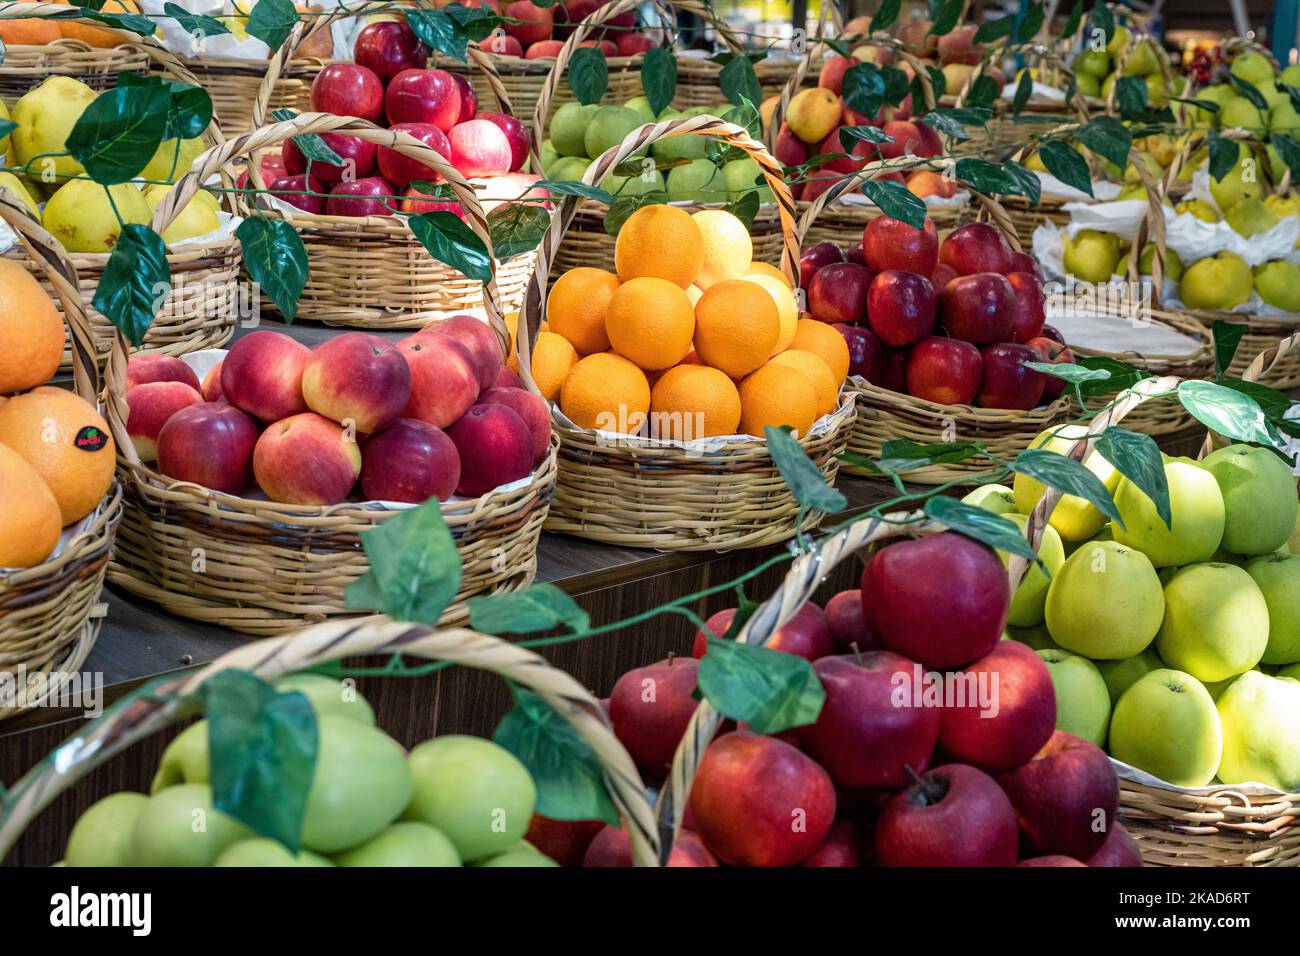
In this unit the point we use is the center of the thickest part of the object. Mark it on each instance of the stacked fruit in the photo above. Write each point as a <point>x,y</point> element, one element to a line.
<point>56,453</point>
<point>451,801</point>
<point>39,31</point>
<point>432,416</point>
<point>1145,625</point>
<point>893,772</point>
<point>532,31</point>
<point>691,339</point>
<point>951,322</point>
<point>1097,71</point>
<point>389,85</point>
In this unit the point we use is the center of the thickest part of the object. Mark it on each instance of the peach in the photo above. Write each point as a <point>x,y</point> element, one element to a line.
<point>359,379</point>
<point>148,408</point>
<point>926,183</point>
<point>409,461</point>
<point>507,378</point>
<point>444,380</point>
<point>306,459</point>
<point>528,23</point>
<point>789,150</point>
<point>212,384</point>
<point>531,408</point>
<point>543,48</point>
<point>813,113</point>
<point>959,46</point>
<point>479,339</point>
<point>495,448</point>
<point>262,374</point>
<point>210,444</point>
<point>503,45</point>
<point>832,74</point>
<point>156,367</point>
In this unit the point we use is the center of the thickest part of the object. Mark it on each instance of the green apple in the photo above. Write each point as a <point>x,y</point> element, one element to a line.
<point>1143,61</point>
<point>1027,603</point>
<point>1074,518</point>
<point>1283,118</point>
<point>521,854</point>
<point>1283,206</point>
<point>1088,84</point>
<point>1082,703</point>
<point>1261,732</point>
<point>1091,63</point>
<point>1199,208</point>
<point>569,168</point>
<point>680,147</point>
<point>608,126</point>
<point>1259,498</point>
<point>1217,687</point>
<point>1218,94</point>
<point>1105,602</point>
<point>102,835</point>
<point>1037,637</point>
<point>741,177</point>
<point>179,826</point>
<point>329,696</point>
<point>1240,182</point>
<point>185,760</point>
<point>1278,284</point>
<point>1196,509</point>
<point>405,843</point>
<point>642,107</point>
<point>998,499</point>
<point>633,185</point>
<point>1120,675</point>
<point>569,128</point>
<point>1250,217</point>
<point>699,180</point>
<point>1219,282</point>
<point>1118,42</point>
<point>1166,724</point>
<point>1216,622</point>
<point>1272,95</point>
<point>1157,90</point>
<point>1146,261</point>
<point>1091,255</point>
<point>1290,672</point>
<point>474,791</point>
<point>360,785</point>
<point>1290,76</point>
<point>263,852</point>
<point>1252,67</point>
<point>548,155</point>
<point>1278,578</point>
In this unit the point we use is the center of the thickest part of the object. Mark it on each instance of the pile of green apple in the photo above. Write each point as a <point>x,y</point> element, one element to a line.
<point>451,801</point>
<point>578,134</point>
<point>1176,647</point>
<point>1096,71</point>
<point>1237,111</point>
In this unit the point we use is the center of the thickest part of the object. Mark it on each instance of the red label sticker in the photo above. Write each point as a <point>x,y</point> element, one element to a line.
<point>91,438</point>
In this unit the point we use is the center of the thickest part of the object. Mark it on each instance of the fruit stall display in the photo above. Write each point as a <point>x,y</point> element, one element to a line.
<point>60,506</point>
<point>287,550</point>
<point>684,464</point>
<point>41,40</point>
<point>343,195</point>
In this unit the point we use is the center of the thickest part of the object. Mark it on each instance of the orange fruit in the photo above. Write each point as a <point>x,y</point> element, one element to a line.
<point>66,441</point>
<point>786,308</point>
<point>30,328</point>
<point>30,522</point>
<point>765,269</point>
<point>777,395</point>
<point>607,392</point>
<point>820,339</point>
<point>728,250</point>
<point>660,241</point>
<point>29,32</point>
<point>576,306</point>
<point>736,326</point>
<point>818,372</point>
<point>553,357</point>
<point>100,37</point>
<point>650,322</point>
<point>694,401</point>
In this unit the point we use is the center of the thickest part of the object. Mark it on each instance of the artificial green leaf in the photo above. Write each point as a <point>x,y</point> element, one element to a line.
<point>1031,24</point>
<point>119,132</point>
<point>991,30</point>
<point>739,82</point>
<point>984,92</point>
<point>851,135</point>
<point>276,258</point>
<point>998,178</point>
<point>1272,403</point>
<point>1137,458</point>
<point>770,690</point>
<point>131,22</point>
<point>588,75</point>
<point>897,84</point>
<point>479,23</point>
<point>517,228</point>
<point>863,89</point>
<point>1223,155</point>
<point>449,240</point>
<point>659,78</point>
<point>1066,164</point>
<point>7,126</point>
<point>896,201</point>
<point>437,30</point>
<point>1102,21</point>
<point>1074,374</point>
<point>1227,336</point>
<point>135,283</point>
<point>1107,137</point>
<point>1024,90</point>
<point>432,190</point>
<point>195,24</point>
<point>262,747</point>
<point>1131,95</point>
<point>541,607</point>
<point>311,146</point>
<point>189,111</point>
<point>745,208</point>
<point>902,454</point>
<point>1067,476</point>
<point>946,19</point>
<point>1073,20</point>
<point>624,206</point>
<point>271,21</point>
<point>1231,413</point>
<point>1119,375</point>
<point>886,15</point>
<point>567,187</point>
<point>569,779</point>
<point>983,526</point>
<point>952,121</point>
<point>802,477</point>
<point>414,567</point>
<point>1251,93</point>
<point>938,85</point>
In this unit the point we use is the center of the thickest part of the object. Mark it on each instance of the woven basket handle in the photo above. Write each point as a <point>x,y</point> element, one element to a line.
<point>1137,39</point>
<point>48,252</point>
<point>122,726</point>
<point>730,134</point>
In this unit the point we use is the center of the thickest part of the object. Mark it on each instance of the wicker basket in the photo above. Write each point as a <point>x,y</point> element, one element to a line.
<point>234,84</point>
<point>50,614</point>
<point>699,79</point>
<point>158,706</point>
<point>640,492</point>
<point>270,567</point>
<point>25,67</point>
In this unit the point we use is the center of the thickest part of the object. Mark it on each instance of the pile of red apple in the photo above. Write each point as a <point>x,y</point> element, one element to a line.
<point>435,415</point>
<point>389,85</point>
<point>951,322</point>
<point>887,775</point>
<point>534,32</point>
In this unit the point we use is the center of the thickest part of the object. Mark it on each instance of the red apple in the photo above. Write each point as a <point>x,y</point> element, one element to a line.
<point>1007,382</point>
<point>516,135</point>
<point>210,444</point>
<point>954,816</point>
<point>806,635</point>
<point>478,339</point>
<point>613,847</point>
<point>856,254</point>
<point>357,378</point>
<point>295,191</point>
<point>361,197</point>
<point>348,89</point>
<point>423,96</point>
<point>212,385</point>
<point>758,801</point>
<point>410,461</point>
<point>959,46</point>
<point>717,625</point>
<point>978,308</point>
<point>1053,333</point>
<point>1008,726</point>
<point>543,49</point>
<point>649,709</point>
<point>262,374</point>
<point>564,841</point>
<point>1053,860</point>
<point>854,159</point>
<point>814,258</point>
<point>358,158</point>
<point>975,247</point>
<point>901,307</point>
<point>848,623</point>
<point>1023,262</point>
<point>144,367</point>
<point>444,379</point>
<point>941,599</point>
<point>468,99</point>
<point>910,138</point>
<point>819,182</point>
<point>495,448</point>
<point>479,148</point>
<point>892,244</point>
<point>531,408</point>
<point>503,45</point>
<point>1063,795</point>
<point>893,371</point>
<point>401,170</point>
<point>838,292</point>
<point>1120,849</point>
<point>527,22</point>
<point>944,371</point>
<point>1028,307</point>
<point>279,461</point>
<point>569,14</point>
<point>633,44</point>
<point>1053,351</point>
<point>866,352</point>
<point>839,850</point>
<point>415,202</point>
<point>389,47</point>
<point>941,276</point>
<point>789,150</point>
<point>864,736</point>
<point>833,70</point>
<point>271,166</point>
<point>148,408</point>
